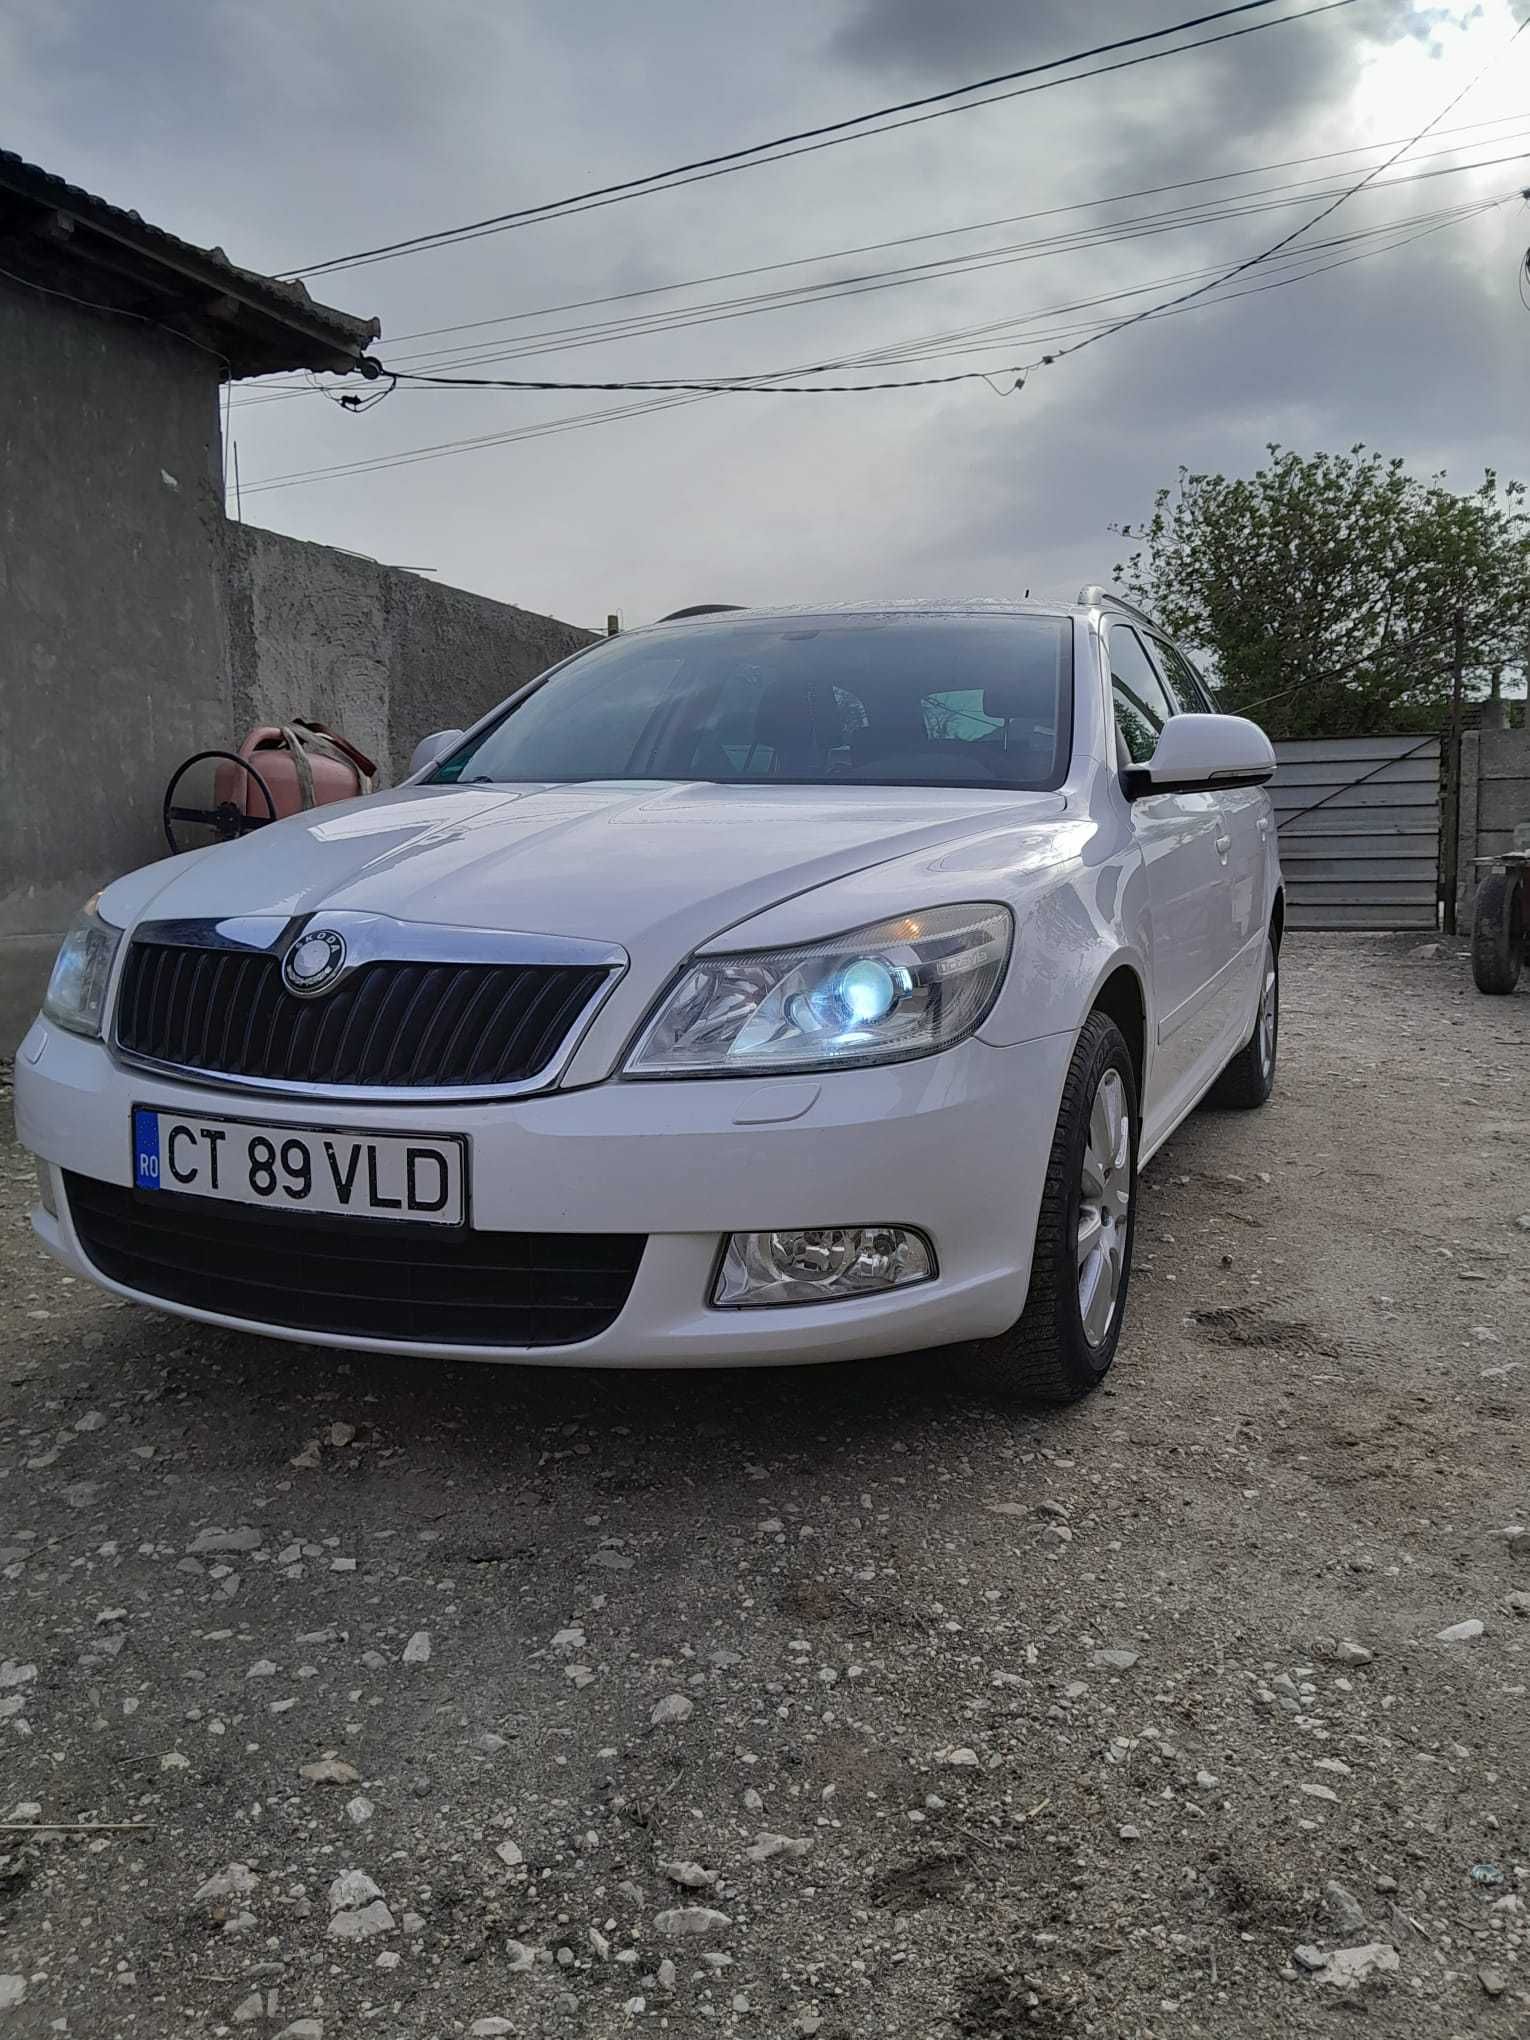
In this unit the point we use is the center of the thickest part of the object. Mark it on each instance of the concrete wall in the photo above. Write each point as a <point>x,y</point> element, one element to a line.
<point>1495,796</point>
<point>137,625</point>
<point>112,646</point>
<point>382,655</point>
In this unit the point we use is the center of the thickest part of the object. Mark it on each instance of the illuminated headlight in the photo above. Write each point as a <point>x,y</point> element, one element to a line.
<point>820,1265</point>
<point>899,988</point>
<point>76,995</point>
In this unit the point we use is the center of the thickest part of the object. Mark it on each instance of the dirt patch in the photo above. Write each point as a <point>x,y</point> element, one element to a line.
<point>1258,1903</point>
<point>1247,1325</point>
<point>926,1880</point>
<point>1088,1770</point>
<point>1003,2006</point>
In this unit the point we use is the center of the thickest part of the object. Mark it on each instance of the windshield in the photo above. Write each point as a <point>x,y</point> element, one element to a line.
<point>925,700</point>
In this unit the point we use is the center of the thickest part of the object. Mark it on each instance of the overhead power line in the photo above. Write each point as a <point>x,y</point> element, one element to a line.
<point>981,226</point>
<point>1404,662</point>
<point>458,380</point>
<point>1420,232</point>
<point>724,386</point>
<point>1326,212</point>
<point>972,227</point>
<point>1021,329</point>
<point>908,351</point>
<point>587,420</point>
<point>828,135</point>
<point>562,339</point>
<point>767,383</point>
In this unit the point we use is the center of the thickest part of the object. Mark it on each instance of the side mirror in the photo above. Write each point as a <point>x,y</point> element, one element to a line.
<point>1199,753</point>
<point>429,749</point>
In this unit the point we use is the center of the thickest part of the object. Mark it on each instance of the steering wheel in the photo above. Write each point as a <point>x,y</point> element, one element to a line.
<point>228,820</point>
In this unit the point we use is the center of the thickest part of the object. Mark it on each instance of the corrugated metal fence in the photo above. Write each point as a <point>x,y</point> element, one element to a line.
<point>1369,856</point>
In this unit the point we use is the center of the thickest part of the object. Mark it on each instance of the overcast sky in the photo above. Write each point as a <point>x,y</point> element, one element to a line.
<point>290,131</point>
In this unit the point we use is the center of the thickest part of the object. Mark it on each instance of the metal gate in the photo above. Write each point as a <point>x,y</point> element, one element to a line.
<point>1359,821</point>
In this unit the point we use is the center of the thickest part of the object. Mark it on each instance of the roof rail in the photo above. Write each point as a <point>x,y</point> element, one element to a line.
<point>701,609</point>
<point>1093,596</point>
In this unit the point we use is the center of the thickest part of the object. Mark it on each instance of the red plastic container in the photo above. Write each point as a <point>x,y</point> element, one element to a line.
<point>303,764</point>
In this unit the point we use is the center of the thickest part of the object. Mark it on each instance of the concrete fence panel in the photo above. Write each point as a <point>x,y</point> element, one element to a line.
<point>1495,800</point>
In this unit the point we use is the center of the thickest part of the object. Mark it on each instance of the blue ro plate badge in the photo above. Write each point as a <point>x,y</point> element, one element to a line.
<point>145,1149</point>
<point>325,1170</point>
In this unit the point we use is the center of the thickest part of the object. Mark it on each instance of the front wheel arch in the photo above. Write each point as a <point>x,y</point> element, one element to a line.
<point>1121,998</point>
<point>1047,1356</point>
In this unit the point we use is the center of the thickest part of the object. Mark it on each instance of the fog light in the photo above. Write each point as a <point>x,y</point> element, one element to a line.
<point>821,1265</point>
<point>45,1187</point>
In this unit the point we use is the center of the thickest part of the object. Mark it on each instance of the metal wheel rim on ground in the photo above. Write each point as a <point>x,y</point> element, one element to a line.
<point>1105,1195</point>
<point>1269,1011</point>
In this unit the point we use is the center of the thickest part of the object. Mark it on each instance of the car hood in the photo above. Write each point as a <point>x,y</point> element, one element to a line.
<point>658,868</point>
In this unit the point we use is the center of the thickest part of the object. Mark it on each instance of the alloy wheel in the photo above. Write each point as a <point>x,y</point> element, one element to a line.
<point>1105,1194</point>
<point>1269,1012</point>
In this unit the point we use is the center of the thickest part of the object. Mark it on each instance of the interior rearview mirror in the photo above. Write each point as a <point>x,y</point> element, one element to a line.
<point>1199,753</point>
<point>429,749</point>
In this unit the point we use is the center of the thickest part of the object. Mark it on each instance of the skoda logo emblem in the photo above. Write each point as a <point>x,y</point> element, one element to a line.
<point>314,962</point>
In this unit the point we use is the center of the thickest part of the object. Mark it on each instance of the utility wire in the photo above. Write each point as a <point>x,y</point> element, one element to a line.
<point>1002,332</point>
<point>558,340</point>
<point>1327,212</point>
<point>757,385</point>
<point>1417,231</point>
<point>272,389</point>
<point>582,421</point>
<point>766,382</point>
<point>829,135</point>
<point>1107,233</point>
<point>1402,662</point>
<point>981,226</point>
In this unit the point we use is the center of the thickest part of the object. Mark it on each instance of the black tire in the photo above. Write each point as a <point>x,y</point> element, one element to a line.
<point>1249,1078</point>
<point>1498,932</point>
<point>1047,1356</point>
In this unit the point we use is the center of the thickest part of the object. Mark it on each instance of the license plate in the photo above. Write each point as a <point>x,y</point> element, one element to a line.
<point>323,1169</point>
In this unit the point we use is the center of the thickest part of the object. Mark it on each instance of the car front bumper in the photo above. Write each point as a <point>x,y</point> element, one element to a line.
<point>955,1145</point>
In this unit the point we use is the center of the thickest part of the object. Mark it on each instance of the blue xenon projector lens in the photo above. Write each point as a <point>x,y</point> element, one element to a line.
<point>859,995</point>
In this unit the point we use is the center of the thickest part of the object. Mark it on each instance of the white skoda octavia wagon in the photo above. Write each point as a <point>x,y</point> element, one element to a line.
<point>763,986</point>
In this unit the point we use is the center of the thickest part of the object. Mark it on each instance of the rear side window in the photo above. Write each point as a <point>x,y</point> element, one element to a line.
<point>1184,679</point>
<point>1141,702</point>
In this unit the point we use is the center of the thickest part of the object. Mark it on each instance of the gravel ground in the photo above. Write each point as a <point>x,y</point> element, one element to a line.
<point>426,1700</point>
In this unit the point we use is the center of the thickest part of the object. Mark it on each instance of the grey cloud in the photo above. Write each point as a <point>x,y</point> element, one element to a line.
<point>199,68</point>
<point>1256,88</point>
<point>914,39</point>
<point>1416,355</point>
<point>301,127</point>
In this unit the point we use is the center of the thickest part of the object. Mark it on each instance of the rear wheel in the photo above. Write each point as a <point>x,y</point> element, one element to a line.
<point>1498,931</point>
<point>1065,1339</point>
<point>1249,1078</point>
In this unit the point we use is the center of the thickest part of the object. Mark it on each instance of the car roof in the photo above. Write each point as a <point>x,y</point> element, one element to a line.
<point>705,617</point>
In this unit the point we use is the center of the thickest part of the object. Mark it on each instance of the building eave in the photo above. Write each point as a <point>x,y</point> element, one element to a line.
<point>57,237</point>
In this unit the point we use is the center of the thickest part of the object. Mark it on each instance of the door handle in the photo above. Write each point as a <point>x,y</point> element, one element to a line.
<point>1224,844</point>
